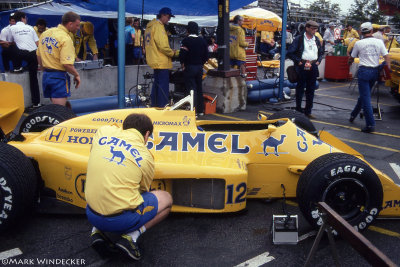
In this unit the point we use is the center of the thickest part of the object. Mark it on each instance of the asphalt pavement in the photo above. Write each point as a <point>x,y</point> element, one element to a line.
<point>236,239</point>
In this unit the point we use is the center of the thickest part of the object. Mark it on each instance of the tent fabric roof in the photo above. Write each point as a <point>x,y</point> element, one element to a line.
<point>178,7</point>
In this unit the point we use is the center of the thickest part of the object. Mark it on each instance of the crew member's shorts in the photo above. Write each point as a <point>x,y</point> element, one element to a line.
<point>127,221</point>
<point>235,62</point>
<point>137,52</point>
<point>56,84</point>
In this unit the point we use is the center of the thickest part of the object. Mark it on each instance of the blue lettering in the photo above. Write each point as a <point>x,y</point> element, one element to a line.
<point>235,146</point>
<point>305,146</point>
<point>150,143</point>
<point>72,139</point>
<point>83,140</point>
<point>169,139</point>
<point>125,145</point>
<point>114,141</point>
<point>137,161</point>
<point>213,143</point>
<point>135,152</point>
<point>103,139</point>
<point>197,140</point>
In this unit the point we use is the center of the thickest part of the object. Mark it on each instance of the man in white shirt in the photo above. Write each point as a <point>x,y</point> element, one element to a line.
<point>329,37</point>
<point>368,50</point>
<point>306,53</point>
<point>27,40</point>
<point>9,49</point>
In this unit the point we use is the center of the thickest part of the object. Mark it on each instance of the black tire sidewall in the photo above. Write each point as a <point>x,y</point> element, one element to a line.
<point>310,190</point>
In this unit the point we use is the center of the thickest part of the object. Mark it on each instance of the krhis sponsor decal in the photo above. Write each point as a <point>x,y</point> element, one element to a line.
<point>55,134</point>
<point>7,196</point>
<point>392,204</point>
<point>117,142</point>
<point>108,120</point>
<point>83,140</point>
<point>38,119</point>
<point>80,130</point>
<point>185,122</point>
<point>65,198</point>
<point>215,142</point>
<point>274,143</point>
<point>63,190</point>
<point>80,181</point>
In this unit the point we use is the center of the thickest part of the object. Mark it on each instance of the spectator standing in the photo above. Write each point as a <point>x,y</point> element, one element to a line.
<point>118,191</point>
<point>350,32</point>
<point>83,39</point>
<point>129,41</point>
<point>56,56</point>
<point>212,45</point>
<point>237,45</point>
<point>138,49</point>
<point>9,49</point>
<point>193,55</point>
<point>26,40</point>
<point>159,56</point>
<point>306,53</point>
<point>389,40</point>
<point>41,26</point>
<point>329,37</point>
<point>368,50</point>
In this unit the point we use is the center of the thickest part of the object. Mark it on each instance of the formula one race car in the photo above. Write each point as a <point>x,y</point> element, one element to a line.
<point>207,166</point>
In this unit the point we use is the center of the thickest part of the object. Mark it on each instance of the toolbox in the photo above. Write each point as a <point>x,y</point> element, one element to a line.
<point>285,229</point>
<point>89,64</point>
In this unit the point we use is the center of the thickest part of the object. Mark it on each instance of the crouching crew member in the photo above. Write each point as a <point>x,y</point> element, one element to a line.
<point>119,175</point>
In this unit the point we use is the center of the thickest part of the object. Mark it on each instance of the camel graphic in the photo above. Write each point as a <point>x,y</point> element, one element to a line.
<point>116,154</point>
<point>49,48</point>
<point>272,142</point>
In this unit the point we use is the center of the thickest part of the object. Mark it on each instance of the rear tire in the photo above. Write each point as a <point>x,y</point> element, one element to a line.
<point>45,117</point>
<point>297,118</point>
<point>347,184</point>
<point>18,183</point>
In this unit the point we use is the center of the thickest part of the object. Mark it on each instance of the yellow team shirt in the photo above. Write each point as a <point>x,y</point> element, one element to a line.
<point>158,52</point>
<point>138,38</point>
<point>120,167</point>
<point>79,40</point>
<point>265,35</point>
<point>237,43</point>
<point>350,34</point>
<point>387,41</point>
<point>56,48</point>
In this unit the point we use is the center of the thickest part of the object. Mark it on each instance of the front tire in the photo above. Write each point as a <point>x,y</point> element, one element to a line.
<point>347,184</point>
<point>18,183</point>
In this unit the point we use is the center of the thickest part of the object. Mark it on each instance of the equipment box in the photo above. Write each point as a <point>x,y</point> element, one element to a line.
<point>210,104</point>
<point>89,64</point>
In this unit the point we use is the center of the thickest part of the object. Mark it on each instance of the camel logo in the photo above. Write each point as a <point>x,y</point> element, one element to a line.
<point>274,143</point>
<point>186,121</point>
<point>49,48</point>
<point>116,154</point>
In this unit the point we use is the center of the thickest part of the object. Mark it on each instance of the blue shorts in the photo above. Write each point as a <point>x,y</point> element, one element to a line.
<point>235,62</point>
<point>56,84</point>
<point>137,52</point>
<point>129,220</point>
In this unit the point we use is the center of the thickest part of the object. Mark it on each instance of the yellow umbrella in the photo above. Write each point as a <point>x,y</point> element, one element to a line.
<point>258,18</point>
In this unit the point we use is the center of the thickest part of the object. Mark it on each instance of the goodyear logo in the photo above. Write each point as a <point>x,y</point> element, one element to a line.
<point>55,134</point>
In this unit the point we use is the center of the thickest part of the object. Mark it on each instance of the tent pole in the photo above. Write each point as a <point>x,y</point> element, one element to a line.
<point>121,53</point>
<point>283,50</point>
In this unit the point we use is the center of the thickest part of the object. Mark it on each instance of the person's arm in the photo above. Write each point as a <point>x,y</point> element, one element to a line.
<point>293,49</point>
<point>148,175</point>
<point>93,46</point>
<point>39,59</point>
<point>242,40</point>
<point>356,34</point>
<point>71,69</point>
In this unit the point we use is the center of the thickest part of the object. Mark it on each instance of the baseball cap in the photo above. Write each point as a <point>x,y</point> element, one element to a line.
<point>165,11</point>
<point>331,24</point>
<point>366,27</point>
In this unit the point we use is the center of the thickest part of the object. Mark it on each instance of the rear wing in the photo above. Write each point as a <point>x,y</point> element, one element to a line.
<point>11,106</point>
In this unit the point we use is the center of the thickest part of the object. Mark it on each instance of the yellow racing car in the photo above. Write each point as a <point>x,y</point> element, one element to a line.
<point>207,166</point>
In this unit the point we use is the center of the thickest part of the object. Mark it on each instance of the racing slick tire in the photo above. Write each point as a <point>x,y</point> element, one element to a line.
<point>347,184</point>
<point>297,118</point>
<point>45,117</point>
<point>18,182</point>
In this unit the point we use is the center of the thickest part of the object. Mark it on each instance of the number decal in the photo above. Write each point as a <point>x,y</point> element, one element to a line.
<point>241,189</point>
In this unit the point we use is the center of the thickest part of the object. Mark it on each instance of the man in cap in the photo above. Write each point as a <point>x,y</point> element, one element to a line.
<point>368,50</point>
<point>193,55</point>
<point>83,38</point>
<point>306,53</point>
<point>350,32</point>
<point>329,37</point>
<point>159,56</point>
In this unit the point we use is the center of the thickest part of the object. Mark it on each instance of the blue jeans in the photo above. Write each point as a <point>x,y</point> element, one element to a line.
<point>366,79</point>
<point>193,81</point>
<point>160,90</point>
<point>306,80</point>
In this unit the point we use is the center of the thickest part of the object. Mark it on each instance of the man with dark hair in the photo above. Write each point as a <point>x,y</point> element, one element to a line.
<point>56,56</point>
<point>129,41</point>
<point>120,172</point>
<point>368,50</point>
<point>306,53</point>
<point>138,48</point>
<point>9,49</point>
<point>350,32</point>
<point>26,40</point>
<point>159,56</point>
<point>193,55</point>
<point>41,26</point>
<point>237,45</point>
